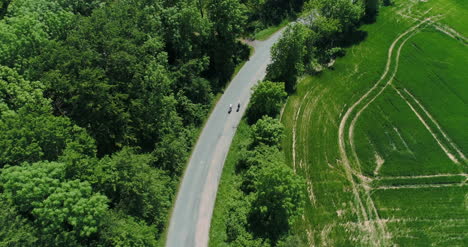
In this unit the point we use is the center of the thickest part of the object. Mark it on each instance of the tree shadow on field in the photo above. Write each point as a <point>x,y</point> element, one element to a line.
<point>353,38</point>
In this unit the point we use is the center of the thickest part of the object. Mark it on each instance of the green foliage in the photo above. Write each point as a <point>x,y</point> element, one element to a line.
<point>15,229</point>
<point>371,9</point>
<point>255,160</point>
<point>265,13</point>
<point>82,81</point>
<point>65,212</point>
<point>238,208</point>
<point>120,230</point>
<point>228,17</point>
<point>83,7</point>
<point>20,38</point>
<point>134,187</point>
<point>267,99</point>
<point>292,241</point>
<point>51,14</point>
<point>17,93</point>
<point>268,131</point>
<point>289,55</point>
<point>27,185</point>
<point>186,31</point>
<point>346,13</point>
<point>278,201</point>
<point>28,130</point>
<point>71,205</point>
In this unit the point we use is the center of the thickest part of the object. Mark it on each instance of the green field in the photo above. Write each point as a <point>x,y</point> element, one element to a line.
<point>382,138</point>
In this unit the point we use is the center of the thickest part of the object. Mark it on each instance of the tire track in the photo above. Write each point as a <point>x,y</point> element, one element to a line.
<point>447,138</point>
<point>425,176</point>
<point>442,146</point>
<point>419,186</point>
<point>377,231</point>
<point>296,116</point>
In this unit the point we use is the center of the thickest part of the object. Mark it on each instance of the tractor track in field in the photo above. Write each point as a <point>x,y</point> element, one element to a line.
<point>418,186</point>
<point>442,28</point>
<point>446,150</point>
<point>425,176</point>
<point>367,213</point>
<point>307,108</point>
<point>296,116</point>
<point>446,137</point>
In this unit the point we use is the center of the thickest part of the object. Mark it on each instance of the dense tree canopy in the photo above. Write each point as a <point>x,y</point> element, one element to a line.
<point>289,54</point>
<point>267,131</point>
<point>279,199</point>
<point>100,102</point>
<point>267,99</point>
<point>28,129</point>
<point>66,212</point>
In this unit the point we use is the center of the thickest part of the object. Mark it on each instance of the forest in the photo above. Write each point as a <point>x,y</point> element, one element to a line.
<point>100,104</point>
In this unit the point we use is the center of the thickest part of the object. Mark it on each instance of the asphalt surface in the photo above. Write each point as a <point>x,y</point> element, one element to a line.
<point>190,220</point>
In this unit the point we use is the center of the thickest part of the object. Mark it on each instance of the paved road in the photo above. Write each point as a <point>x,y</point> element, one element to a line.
<point>191,218</point>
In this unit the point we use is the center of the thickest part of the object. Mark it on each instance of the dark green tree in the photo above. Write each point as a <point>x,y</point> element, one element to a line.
<point>15,230</point>
<point>289,55</point>
<point>64,212</point>
<point>346,13</point>
<point>120,229</point>
<point>134,187</point>
<point>268,131</point>
<point>279,199</point>
<point>267,99</point>
<point>228,17</point>
<point>28,130</point>
<point>371,9</point>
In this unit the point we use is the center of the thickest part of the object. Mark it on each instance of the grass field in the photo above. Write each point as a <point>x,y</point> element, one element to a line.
<point>382,139</point>
<point>267,32</point>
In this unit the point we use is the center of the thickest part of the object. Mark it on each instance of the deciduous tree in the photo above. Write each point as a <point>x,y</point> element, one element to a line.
<point>267,99</point>
<point>289,55</point>
<point>267,131</point>
<point>279,200</point>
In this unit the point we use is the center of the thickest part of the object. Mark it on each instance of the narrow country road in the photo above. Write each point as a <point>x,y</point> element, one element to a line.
<point>190,220</point>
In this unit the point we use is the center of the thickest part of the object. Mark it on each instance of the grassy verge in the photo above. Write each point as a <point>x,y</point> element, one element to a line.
<point>266,33</point>
<point>225,188</point>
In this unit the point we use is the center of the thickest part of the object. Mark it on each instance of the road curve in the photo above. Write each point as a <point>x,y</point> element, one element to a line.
<point>190,221</point>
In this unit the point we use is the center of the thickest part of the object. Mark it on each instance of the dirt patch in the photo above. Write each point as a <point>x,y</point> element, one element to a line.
<point>379,162</point>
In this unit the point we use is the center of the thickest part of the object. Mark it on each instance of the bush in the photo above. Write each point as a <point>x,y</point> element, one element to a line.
<point>267,99</point>
<point>279,199</point>
<point>268,131</point>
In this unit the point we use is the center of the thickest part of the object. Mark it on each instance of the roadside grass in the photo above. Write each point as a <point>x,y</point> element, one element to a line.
<point>227,186</point>
<point>432,68</point>
<point>267,32</point>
